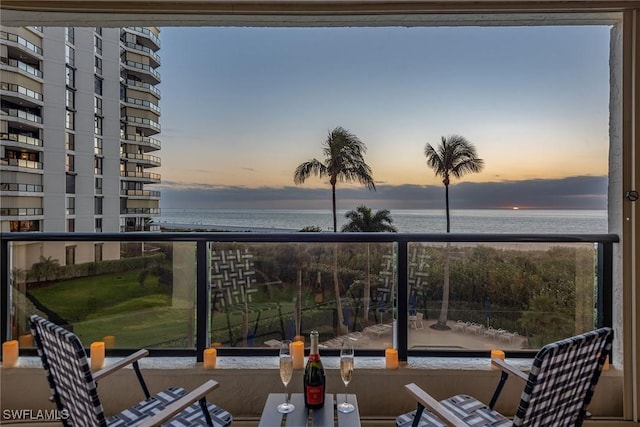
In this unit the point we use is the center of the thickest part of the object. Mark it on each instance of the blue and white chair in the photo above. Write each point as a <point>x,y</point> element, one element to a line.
<point>557,389</point>
<point>74,387</point>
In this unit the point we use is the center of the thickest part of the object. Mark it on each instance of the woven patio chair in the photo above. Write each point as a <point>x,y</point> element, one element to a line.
<point>557,389</point>
<point>74,387</point>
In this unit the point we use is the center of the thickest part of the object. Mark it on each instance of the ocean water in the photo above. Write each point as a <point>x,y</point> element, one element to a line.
<point>406,221</point>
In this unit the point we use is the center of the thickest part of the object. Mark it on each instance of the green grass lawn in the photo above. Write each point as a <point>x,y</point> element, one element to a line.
<point>146,316</point>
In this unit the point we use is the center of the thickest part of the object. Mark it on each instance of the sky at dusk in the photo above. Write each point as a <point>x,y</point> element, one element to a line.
<point>242,107</point>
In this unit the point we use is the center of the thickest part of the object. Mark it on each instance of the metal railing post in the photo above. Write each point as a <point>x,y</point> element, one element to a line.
<point>202,299</point>
<point>403,298</point>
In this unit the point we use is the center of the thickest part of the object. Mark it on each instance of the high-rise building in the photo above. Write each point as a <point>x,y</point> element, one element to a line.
<point>80,112</point>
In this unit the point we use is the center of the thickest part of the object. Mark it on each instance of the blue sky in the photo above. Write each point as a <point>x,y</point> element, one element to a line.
<point>242,107</point>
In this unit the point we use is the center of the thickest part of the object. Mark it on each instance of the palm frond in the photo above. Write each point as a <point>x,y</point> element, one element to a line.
<point>306,169</point>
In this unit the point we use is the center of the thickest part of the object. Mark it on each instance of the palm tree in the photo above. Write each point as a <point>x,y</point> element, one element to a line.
<point>344,162</point>
<point>362,220</point>
<point>454,157</point>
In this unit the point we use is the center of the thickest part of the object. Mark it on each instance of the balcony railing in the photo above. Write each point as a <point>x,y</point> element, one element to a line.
<point>21,138</point>
<point>21,90</point>
<point>144,86</point>
<point>21,41</point>
<point>21,163</point>
<point>27,188</point>
<point>22,66</point>
<point>515,291</point>
<point>142,140</point>
<point>12,112</point>
<point>142,175</point>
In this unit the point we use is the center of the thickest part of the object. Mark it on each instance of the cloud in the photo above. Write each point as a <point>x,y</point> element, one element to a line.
<point>579,192</point>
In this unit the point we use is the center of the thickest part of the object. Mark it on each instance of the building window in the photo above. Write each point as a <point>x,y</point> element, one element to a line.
<point>71,225</point>
<point>97,105</point>
<point>69,141</point>
<point>71,184</point>
<point>97,166</point>
<point>98,185</point>
<point>98,86</point>
<point>98,246</point>
<point>70,165</point>
<point>97,145</point>
<point>70,99</point>
<point>71,205</point>
<point>70,255</point>
<point>98,205</point>
<point>70,55</point>
<point>97,65</point>
<point>69,33</point>
<point>70,76</point>
<point>98,44</point>
<point>69,121</point>
<point>97,125</point>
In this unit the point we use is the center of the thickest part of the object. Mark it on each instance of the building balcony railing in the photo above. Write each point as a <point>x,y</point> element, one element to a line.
<point>21,211</point>
<point>155,177</point>
<point>22,42</point>
<point>147,227</point>
<point>146,33</point>
<point>140,193</point>
<point>20,114</point>
<point>23,139</point>
<point>143,103</point>
<point>146,50</point>
<point>142,158</point>
<point>140,140</point>
<point>147,69</point>
<point>21,92</point>
<point>140,211</point>
<point>140,121</point>
<point>26,188</point>
<point>29,164</point>
<point>19,65</point>
<point>247,289</point>
<point>143,86</point>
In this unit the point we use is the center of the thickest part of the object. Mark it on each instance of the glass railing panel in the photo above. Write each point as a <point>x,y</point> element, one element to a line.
<point>141,293</point>
<point>266,292</point>
<point>479,296</point>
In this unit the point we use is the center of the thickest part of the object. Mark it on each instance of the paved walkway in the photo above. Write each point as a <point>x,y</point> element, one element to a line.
<point>428,338</point>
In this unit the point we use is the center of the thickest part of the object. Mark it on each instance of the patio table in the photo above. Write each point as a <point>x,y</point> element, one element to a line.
<point>301,416</point>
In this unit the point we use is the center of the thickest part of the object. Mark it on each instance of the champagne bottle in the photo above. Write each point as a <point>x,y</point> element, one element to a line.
<point>314,379</point>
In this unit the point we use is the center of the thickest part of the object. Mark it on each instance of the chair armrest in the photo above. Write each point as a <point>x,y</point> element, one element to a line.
<point>98,375</point>
<point>176,407</point>
<point>503,366</point>
<point>433,405</point>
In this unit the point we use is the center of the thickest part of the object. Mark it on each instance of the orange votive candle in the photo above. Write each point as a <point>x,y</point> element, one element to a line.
<point>298,338</point>
<point>109,341</point>
<point>25,341</point>
<point>97,355</point>
<point>391,358</point>
<point>297,353</point>
<point>496,354</point>
<point>10,350</point>
<point>210,355</point>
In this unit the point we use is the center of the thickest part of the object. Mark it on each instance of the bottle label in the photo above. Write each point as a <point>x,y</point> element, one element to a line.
<point>315,395</point>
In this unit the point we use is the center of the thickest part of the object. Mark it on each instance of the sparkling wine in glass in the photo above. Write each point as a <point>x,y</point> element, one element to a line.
<point>346,372</point>
<point>286,371</point>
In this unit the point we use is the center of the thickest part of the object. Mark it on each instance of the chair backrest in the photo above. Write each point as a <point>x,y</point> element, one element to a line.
<point>562,379</point>
<point>68,372</point>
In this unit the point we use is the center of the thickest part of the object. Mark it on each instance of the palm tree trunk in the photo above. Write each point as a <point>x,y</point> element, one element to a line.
<point>444,309</point>
<point>333,204</point>
<point>446,197</point>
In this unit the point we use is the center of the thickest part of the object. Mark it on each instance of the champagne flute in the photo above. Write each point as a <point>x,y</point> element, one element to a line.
<point>346,372</point>
<point>286,371</point>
